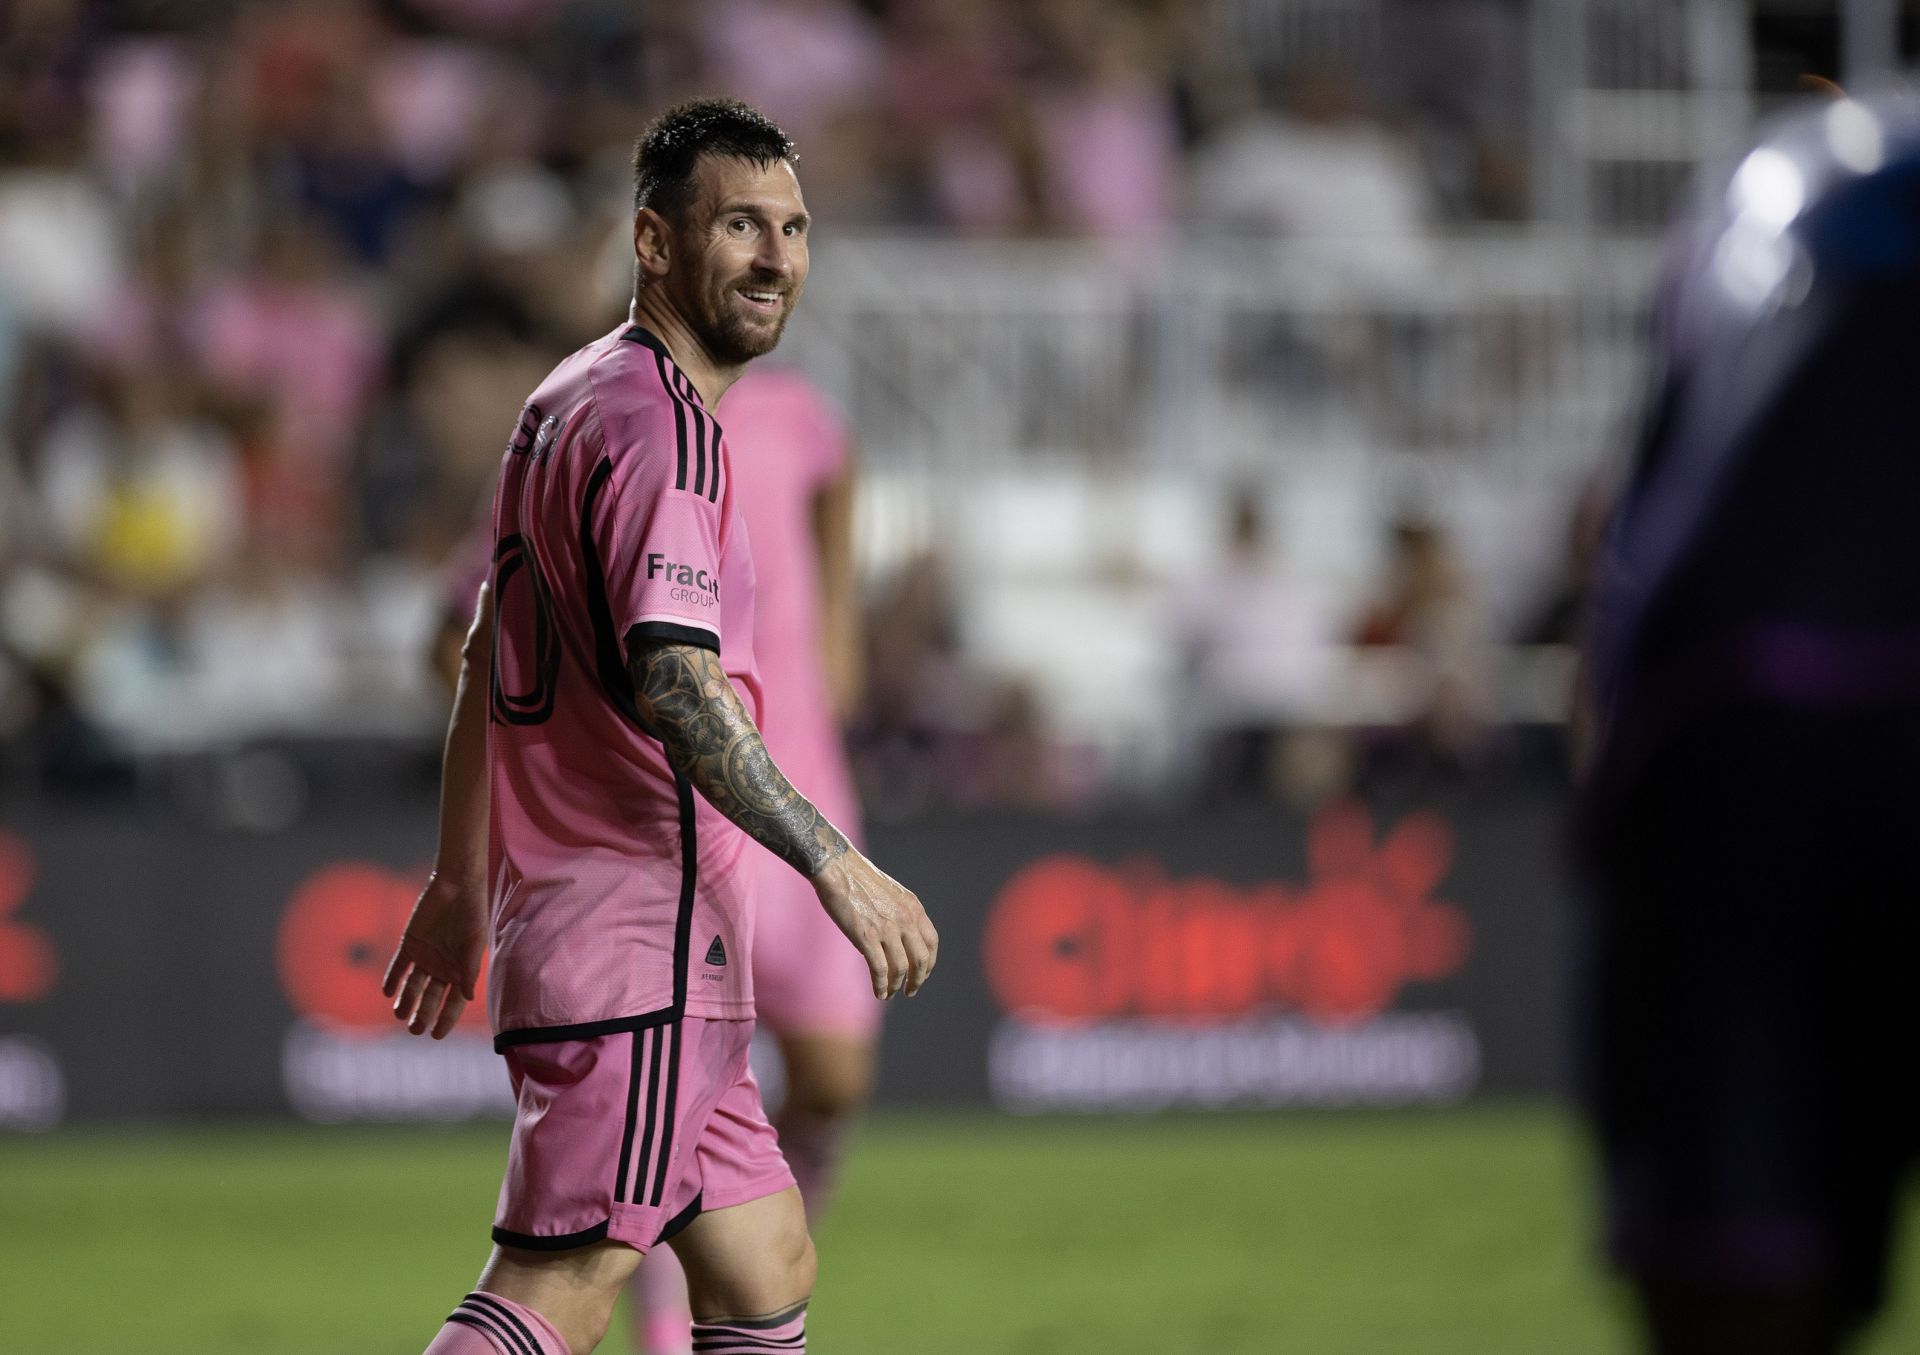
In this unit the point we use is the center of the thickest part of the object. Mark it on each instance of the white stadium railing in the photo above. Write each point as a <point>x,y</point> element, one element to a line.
<point>1520,352</point>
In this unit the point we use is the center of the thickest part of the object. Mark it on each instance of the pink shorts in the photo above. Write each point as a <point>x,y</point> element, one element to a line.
<point>631,1136</point>
<point>807,977</point>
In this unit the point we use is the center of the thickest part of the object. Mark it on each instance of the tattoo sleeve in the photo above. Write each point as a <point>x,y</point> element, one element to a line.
<point>686,698</point>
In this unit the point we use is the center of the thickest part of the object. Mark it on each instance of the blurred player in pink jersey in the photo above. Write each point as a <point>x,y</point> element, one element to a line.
<point>794,478</point>
<point>604,784</point>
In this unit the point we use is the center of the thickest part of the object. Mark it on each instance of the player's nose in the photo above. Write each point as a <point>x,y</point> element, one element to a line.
<point>775,255</point>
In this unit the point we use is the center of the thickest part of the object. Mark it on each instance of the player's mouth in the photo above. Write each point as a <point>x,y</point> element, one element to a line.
<point>765,300</point>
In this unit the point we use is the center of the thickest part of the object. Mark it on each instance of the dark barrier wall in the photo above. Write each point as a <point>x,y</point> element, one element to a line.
<point>1363,956</point>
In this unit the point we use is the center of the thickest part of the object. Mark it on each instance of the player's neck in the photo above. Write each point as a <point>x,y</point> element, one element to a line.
<point>709,377</point>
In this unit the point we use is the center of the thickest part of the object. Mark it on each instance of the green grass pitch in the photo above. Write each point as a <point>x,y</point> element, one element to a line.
<point>1332,1234</point>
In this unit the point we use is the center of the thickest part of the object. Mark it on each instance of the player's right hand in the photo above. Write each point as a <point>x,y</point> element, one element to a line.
<point>436,968</point>
<point>883,919</point>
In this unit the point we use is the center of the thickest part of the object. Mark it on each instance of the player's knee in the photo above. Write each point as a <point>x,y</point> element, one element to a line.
<point>805,1266</point>
<point>793,1265</point>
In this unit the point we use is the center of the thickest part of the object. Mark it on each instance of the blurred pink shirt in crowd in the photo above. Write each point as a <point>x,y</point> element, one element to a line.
<point>1113,160</point>
<point>313,351</point>
<point>796,62</point>
<point>620,899</point>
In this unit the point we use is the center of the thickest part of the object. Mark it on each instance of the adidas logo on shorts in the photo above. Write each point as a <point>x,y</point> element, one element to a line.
<point>717,954</point>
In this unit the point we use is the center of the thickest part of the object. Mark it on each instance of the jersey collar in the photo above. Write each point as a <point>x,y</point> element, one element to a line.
<point>646,338</point>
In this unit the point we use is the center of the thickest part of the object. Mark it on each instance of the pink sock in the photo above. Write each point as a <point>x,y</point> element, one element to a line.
<point>486,1324</point>
<point>785,1333</point>
<point>662,1324</point>
<point>812,1145</point>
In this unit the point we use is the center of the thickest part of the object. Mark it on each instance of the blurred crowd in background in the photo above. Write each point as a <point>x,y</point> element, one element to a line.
<point>275,278</point>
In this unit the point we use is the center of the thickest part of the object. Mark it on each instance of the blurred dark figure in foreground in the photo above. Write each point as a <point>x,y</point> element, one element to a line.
<point>1749,813</point>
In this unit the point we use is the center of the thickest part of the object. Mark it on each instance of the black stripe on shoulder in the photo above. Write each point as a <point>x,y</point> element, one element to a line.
<point>699,452</point>
<point>679,422</point>
<point>687,388</point>
<point>557,1242</point>
<point>668,630</point>
<point>584,1030</point>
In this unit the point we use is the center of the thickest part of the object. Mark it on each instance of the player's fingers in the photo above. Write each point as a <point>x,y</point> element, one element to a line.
<point>449,1015</point>
<point>431,999</point>
<point>919,961</point>
<point>897,966</point>
<point>396,970</point>
<point>876,957</point>
<point>408,1002</point>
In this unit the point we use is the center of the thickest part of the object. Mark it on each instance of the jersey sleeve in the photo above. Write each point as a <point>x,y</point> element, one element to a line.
<point>660,550</point>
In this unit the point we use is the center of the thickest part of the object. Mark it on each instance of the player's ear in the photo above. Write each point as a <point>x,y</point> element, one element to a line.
<point>652,245</point>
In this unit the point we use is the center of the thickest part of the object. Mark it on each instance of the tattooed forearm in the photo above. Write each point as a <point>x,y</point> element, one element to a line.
<point>685,697</point>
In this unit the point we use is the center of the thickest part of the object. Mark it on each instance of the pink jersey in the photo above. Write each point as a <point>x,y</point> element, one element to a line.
<point>787,443</point>
<point>620,897</point>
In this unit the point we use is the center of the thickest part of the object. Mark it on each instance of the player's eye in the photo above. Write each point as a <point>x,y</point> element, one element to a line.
<point>740,225</point>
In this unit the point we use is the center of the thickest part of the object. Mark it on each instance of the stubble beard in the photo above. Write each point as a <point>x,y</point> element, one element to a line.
<point>728,335</point>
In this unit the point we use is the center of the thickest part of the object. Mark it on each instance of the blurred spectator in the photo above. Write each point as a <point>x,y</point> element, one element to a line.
<point>1457,70</point>
<point>293,342</point>
<point>1427,610</point>
<point>60,254</point>
<point>1258,651</point>
<point>963,140</point>
<point>1315,167</point>
<point>935,730</point>
<point>799,61</point>
<point>137,491</point>
<point>1108,140</point>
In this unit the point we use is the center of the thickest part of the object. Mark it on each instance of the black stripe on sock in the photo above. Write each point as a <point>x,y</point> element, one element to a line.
<point>666,1136</point>
<point>482,1325</point>
<point>646,1139</point>
<point>488,1303</point>
<point>733,1332</point>
<point>763,1323</point>
<point>633,1115</point>
<point>485,1322</point>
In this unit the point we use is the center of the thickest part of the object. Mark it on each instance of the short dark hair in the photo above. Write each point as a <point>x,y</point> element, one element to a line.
<point>665,156</point>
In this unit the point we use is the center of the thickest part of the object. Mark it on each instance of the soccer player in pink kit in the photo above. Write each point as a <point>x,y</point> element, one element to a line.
<point>602,778</point>
<point>793,475</point>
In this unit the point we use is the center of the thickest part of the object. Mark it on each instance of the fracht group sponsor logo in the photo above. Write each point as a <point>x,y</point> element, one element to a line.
<point>345,1057</point>
<point>1124,988</point>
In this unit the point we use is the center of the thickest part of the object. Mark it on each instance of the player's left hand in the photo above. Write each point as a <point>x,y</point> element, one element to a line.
<point>436,968</point>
